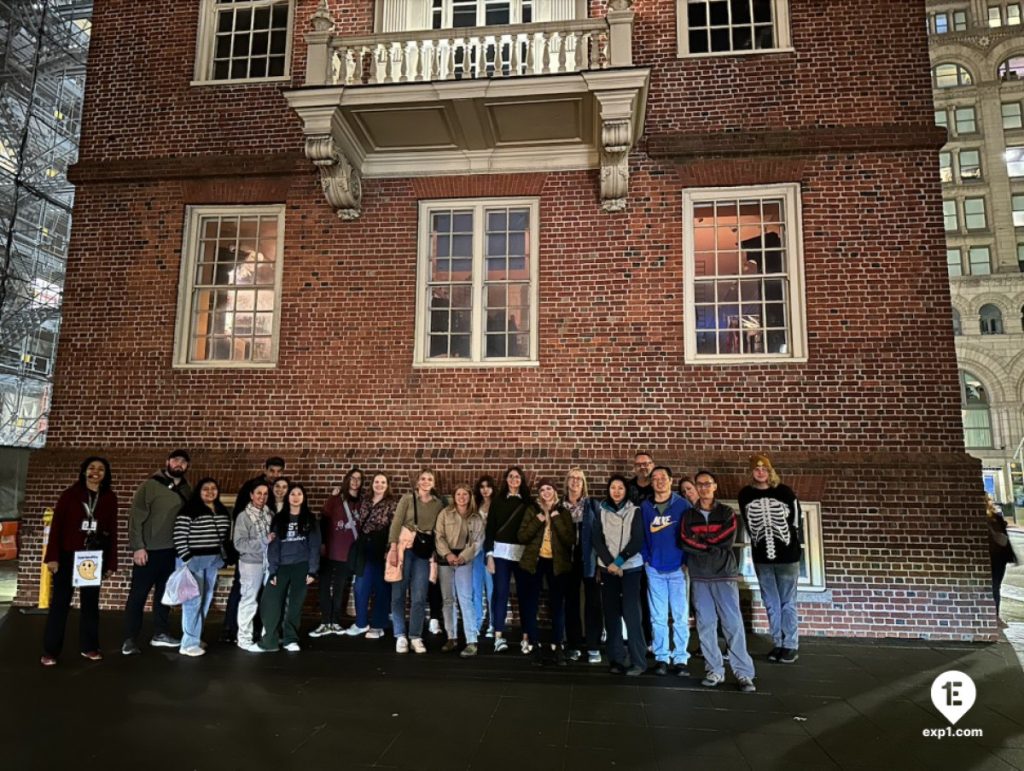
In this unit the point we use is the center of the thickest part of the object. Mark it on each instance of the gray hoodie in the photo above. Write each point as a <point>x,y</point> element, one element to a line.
<point>252,530</point>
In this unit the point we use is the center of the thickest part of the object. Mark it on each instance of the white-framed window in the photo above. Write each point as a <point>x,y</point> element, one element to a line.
<point>965,120</point>
<point>229,295</point>
<point>449,14</point>
<point>970,164</point>
<point>1017,204</point>
<point>974,409</point>
<point>743,275</point>
<point>949,216</point>
<point>954,263</point>
<point>1014,157</point>
<point>974,214</point>
<point>1012,115</point>
<point>477,282</point>
<point>812,558</point>
<point>244,40</point>
<point>715,27</point>
<point>951,75</point>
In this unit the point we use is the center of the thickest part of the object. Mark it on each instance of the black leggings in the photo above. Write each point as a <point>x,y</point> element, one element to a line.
<point>60,604</point>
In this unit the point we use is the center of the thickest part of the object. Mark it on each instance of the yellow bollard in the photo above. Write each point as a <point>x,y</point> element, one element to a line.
<point>45,579</point>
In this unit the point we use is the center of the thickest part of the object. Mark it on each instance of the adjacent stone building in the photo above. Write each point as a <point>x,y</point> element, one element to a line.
<point>467,233</point>
<point>977,53</point>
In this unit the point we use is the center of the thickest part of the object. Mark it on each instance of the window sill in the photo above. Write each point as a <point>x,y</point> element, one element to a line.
<point>475,364</point>
<point>719,54</point>
<point>741,360</point>
<point>242,81</point>
<point>219,365</point>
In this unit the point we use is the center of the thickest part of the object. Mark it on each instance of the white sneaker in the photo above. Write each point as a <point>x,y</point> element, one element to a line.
<point>195,650</point>
<point>435,626</point>
<point>255,648</point>
<point>355,631</point>
<point>374,634</point>
<point>593,657</point>
<point>418,646</point>
<point>292,647</point>
<point>337,629</point>
<point>489,632</point>
<point>402,645</point>
<point>321,631</point>
<point>525,647</point>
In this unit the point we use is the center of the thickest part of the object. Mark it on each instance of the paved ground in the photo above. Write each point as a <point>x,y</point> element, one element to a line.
<point>355,704</point>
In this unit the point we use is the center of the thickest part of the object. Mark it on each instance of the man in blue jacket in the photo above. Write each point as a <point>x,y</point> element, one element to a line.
<point>665,561</point>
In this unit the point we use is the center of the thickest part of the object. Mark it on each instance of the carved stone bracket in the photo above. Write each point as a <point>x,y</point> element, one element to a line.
<point>616,141</point>
<point>340,180</point>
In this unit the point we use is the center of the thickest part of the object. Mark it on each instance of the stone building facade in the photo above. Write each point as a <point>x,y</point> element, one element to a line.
<point>464,234</point>
<point>977,54</point>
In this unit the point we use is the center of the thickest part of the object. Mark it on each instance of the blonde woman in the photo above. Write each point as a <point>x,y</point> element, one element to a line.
<point>459,534</point>
<point>583,625</point>
<point>417,514</point>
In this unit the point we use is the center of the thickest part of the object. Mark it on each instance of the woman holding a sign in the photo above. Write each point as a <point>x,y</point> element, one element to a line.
<point>81,550</point>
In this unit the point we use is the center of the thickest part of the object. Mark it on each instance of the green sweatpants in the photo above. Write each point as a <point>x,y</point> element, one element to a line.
<point>283,598</point>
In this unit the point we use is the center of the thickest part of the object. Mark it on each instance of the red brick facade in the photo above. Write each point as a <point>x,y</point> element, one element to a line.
<point>869,426</point>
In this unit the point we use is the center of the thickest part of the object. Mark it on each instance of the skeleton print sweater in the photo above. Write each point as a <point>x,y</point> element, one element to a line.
<point>772,518</point>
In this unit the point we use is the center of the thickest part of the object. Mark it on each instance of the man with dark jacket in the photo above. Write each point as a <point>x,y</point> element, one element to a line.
<point>640,487</point>
<point>708,534</point>
<point>151,536</point>
<point>272,469</point>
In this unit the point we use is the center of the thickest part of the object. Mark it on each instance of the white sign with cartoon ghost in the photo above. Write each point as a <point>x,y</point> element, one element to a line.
<point>87,568</point>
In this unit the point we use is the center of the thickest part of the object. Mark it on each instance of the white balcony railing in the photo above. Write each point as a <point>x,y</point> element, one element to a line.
<point>559,47</point>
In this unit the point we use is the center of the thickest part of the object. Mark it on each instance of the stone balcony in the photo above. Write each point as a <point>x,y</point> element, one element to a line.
<point>545,96</point>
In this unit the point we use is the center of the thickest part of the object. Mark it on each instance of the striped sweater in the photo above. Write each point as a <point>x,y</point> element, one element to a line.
<point>201,532</point>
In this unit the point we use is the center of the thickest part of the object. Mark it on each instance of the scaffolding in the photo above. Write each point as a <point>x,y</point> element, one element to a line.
<point>43,48</point>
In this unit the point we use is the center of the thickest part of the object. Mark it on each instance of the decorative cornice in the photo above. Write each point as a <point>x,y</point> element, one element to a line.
<point>803,141</point>
<point>340,180</point>
<point>982,38</point>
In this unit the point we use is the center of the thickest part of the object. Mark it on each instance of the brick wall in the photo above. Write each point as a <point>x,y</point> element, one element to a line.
<point>869,426</point>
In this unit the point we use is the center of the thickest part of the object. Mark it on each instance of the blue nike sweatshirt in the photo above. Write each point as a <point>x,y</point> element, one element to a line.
<point>663,548</point>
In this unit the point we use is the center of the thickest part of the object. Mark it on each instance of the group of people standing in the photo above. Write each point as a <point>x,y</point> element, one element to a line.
<point>612,564</point>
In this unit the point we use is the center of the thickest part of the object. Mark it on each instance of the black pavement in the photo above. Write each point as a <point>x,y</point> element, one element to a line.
<point>354,703</point>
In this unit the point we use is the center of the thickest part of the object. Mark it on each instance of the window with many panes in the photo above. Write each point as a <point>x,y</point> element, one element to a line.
<point>1012,115</point>
<point>950,76</point>
<point>974,214</point>
<point>229,294</point>
<point>974,406</point>
<point>243,40</point>
<point>743,274</point>
<point>448,14</point>
<point>731,26</point>
<point>477,282</point>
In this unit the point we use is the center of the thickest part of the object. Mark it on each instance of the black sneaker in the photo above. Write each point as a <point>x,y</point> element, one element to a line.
<point>788,656</point>
<point>617,669</point>
<point>774,654</point>
<point>130,648</point>
<point>573,654</point>
<point>634,671</point>
<point>562,658</point>
<point>681,670</point>
<point>660,668</point>
<point>164,640</point>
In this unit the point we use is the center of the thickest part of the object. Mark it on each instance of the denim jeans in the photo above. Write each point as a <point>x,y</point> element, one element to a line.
<point>556,601</point>
<point>193,612</point>
<point>457,582</point>
<point>372,582</point>
<point>415,581</point>
<point>778,593</point>
<point>503,571</point>
<point>666,594</point>
<point>483,589</point>
<point>716,601</point>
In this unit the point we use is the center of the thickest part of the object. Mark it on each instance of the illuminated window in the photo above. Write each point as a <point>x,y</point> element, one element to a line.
<point>950,76</point>
<point>229,297</point>
<point>743,273</point>
<point>974,409</point>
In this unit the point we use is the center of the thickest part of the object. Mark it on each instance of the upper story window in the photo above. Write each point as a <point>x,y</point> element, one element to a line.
<point>1011,69</point>
<point>244,40</point>
<point>950,75</point>
<point>969,161</point>
<point>965,120</point>
<point>957,326</point>
<point>948,21</point>
<point>990,319</point>
<point>1012,116</point>
<point>1001,14</point>
<point>1014,157</point>
<point>743,275</point>
<point>731,26</point>
<point>979,261</point>
<point>477,282</point>
<point>974,409</point>
<point>974,214</point>
<point>949,216</point>
<point>447,14</point>
<point>229,292</point>
<point>1017,206</point>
